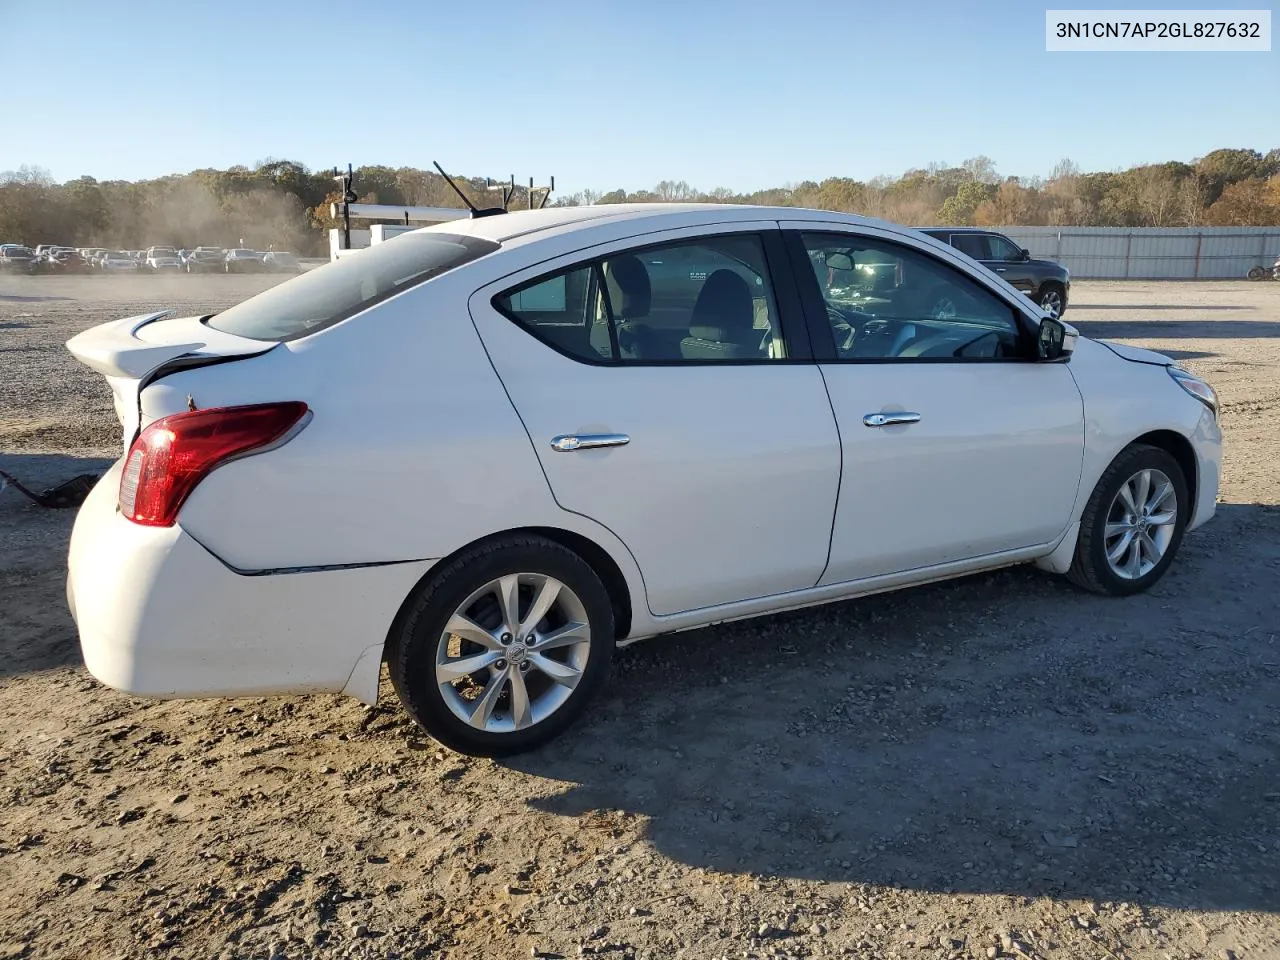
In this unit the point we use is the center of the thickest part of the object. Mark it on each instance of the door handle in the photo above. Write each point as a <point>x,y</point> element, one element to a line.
<point>568,442</point>
<point>889,419</point>
<point>1001,269</point>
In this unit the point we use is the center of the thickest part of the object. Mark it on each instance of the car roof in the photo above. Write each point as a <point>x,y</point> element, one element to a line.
<point>959,230</point>
<point>644,216</point>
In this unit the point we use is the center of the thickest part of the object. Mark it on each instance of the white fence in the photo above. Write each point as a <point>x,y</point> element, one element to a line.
<point>1152,253</point>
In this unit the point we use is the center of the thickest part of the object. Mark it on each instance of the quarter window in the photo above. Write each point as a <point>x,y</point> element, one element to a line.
<point>888,302</point>
<point>694,301</point>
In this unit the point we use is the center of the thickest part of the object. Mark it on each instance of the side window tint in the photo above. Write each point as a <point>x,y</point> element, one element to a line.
<point>1002,249</point>
<point>971,245</point>
<point>888,302</point>
<point>696,301</point>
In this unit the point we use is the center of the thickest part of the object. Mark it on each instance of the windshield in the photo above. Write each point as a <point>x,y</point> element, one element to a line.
<point>328,294</point>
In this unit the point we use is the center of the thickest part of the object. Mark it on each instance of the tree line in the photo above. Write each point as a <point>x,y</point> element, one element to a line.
<point>284,205</point>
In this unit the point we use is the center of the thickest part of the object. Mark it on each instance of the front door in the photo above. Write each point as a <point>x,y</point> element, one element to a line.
<point>658,391</point>
<point>1006,259</point>
<point>957,444</point>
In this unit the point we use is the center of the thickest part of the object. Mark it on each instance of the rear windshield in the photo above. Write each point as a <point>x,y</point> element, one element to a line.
<point>328,294</point>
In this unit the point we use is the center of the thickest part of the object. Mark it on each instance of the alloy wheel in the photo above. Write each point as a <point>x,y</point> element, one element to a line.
<point>1140,524</point>
<point>512,653</point>
<point>1051,302</point>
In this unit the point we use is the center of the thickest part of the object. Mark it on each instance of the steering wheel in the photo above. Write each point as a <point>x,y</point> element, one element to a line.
<point>843,331</point>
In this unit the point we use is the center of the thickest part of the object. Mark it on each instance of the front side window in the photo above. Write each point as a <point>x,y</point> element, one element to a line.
<point>320,298</point>
<point>889,302</point>
<point>701,300</point>
<point>1003,249</point>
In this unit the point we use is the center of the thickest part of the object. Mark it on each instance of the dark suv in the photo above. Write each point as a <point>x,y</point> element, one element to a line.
<point>1045,282</point>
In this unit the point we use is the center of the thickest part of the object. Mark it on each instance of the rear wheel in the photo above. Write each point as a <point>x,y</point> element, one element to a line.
<point>504,647</point>
<point>1257,273</point>
<point>1133,524</point>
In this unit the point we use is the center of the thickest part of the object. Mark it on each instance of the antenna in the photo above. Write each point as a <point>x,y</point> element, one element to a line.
<point>475,211</point>
<point>449,180</point>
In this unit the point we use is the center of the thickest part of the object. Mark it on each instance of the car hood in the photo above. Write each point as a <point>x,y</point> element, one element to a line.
<point>1137,354</point>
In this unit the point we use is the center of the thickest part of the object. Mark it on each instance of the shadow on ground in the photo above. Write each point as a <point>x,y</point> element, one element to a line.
<point>1006,733</point>
<point>1199,308</point>
<point>1177,329</point>
<point>36,632</point>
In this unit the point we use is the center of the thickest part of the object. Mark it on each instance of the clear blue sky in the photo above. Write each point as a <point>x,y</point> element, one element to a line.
<point>604,94</point>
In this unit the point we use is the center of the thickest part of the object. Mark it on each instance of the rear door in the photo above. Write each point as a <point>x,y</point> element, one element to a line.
<point>667,391</point>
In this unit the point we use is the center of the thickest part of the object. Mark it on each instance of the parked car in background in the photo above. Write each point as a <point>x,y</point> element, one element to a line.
<point>653,392</point>
<point>63,261</point>
<point>205,260</point>
<point>241,260</point>
<point>163,260</point>
<point>16,258</point>
<point>117,261</point>
<point>278,261</point>
<point>1046,282</point>
<point>93,256</point>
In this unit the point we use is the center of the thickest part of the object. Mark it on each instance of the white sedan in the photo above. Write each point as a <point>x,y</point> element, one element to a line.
<point>489,452</point>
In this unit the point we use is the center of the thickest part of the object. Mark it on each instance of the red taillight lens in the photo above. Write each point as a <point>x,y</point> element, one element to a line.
<point>175,453</point>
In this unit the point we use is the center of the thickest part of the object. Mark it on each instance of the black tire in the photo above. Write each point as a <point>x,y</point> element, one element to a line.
<point>1257,273</point>
<point>1051,291</point>
<point>1090,568</point>
<point>412,646</point>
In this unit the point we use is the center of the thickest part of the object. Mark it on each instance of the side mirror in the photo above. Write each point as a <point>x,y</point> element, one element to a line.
<point>1056,340</point>
<point>1026,254</point>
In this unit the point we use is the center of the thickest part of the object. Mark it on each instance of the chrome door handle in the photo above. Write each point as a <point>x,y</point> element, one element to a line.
<point>1001,269</point>
<point>889,419</point>
<point>568,442</point>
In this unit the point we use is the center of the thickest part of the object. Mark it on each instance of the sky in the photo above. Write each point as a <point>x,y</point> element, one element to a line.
<point>603,94</point>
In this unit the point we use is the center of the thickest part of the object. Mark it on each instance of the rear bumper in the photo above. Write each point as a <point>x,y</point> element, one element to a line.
<point>160,616</point>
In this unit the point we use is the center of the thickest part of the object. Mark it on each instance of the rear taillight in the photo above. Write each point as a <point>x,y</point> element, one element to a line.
<point>175,453</point>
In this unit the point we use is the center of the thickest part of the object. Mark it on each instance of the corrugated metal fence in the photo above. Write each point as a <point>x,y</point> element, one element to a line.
<point>1152,253</point>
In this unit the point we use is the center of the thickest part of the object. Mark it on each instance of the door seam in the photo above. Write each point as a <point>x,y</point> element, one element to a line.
<point>835,509</point>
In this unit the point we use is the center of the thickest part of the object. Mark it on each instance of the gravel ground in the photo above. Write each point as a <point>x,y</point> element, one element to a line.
<point>996,767</point>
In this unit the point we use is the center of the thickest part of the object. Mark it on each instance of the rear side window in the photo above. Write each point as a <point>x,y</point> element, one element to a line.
<point>330,293</point>
<point>700,300</point>
<point>972,245</point>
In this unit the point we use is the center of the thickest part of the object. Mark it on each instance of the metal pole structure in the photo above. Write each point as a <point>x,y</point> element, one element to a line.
<point>346,209</point>
<point>1128,245</point>
<point>1199,240</point>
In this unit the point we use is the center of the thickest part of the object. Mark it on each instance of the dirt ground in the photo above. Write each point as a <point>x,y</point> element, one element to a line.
<point>999,766</point>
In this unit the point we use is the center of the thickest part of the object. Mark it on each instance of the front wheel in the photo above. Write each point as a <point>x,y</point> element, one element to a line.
<point>1052,300</point>
<point>503,648</point>
<point>1133,524</point>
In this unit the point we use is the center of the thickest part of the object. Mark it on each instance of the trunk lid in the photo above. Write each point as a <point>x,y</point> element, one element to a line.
<point>135,351</point>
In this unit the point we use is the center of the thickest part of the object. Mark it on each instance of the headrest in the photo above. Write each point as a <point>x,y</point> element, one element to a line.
<point>724,310</point>
<point>627,281</point>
